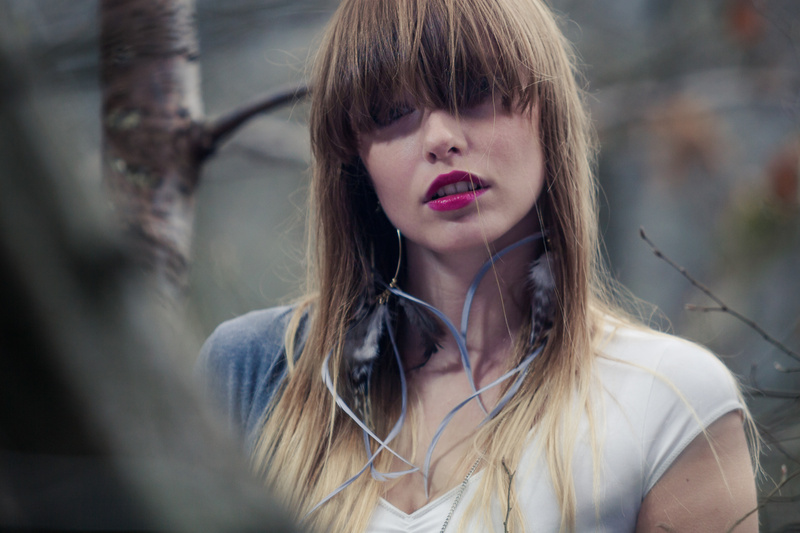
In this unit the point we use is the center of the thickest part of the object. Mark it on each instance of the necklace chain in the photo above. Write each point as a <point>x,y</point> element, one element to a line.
<point>460,493</point>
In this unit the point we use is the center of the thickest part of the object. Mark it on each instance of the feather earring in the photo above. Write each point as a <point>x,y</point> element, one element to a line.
<point>362,342</point>
<point>362,347</point>
<point>429,329</point>
<point>543,296</point>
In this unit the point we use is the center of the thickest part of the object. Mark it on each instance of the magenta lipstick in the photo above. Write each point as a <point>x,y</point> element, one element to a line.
<point>454,190</point>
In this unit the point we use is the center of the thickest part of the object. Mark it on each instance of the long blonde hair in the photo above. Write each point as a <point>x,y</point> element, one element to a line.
<point>374,50</point>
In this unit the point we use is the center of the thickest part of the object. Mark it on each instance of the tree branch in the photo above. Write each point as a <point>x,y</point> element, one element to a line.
<point>216,131</point>
<point>754,389</point>
<point>722,306</point>
<point>769,393</point>
<point>780,368</point>
<point>510,475</point>
<point>769,498</point>
<point>774,442</point>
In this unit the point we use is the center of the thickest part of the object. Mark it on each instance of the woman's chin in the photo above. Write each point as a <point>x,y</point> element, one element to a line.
<point>464,246</point>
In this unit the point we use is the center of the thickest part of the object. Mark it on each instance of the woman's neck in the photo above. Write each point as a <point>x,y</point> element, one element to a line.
<point>499,307</point>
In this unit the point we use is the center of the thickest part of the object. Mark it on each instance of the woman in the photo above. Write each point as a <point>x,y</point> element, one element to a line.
<point>452,184</point>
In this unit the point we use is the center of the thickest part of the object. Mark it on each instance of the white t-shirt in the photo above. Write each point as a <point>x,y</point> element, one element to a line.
<point>657,394</point>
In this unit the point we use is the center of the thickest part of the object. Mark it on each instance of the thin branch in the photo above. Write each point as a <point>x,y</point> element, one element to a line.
<point>216,131</point>
<point>785,499</point>
<point>767,499</point>
<point>754,389</point>
<point>773,442</point>
<point>723,307</point>
<point>769,393</point>
<point>510,475</point>
<point>780,368</point>
<point>705,309</point>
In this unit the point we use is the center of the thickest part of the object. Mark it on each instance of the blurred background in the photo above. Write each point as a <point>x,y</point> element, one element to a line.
<point>697,107</point>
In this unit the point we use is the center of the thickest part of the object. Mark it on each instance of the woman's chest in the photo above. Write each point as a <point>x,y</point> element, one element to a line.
<point>445,454</point>
<point>606,480</point>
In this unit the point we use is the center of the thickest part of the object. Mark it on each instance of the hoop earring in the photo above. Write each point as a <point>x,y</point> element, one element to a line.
<point>384,296</point>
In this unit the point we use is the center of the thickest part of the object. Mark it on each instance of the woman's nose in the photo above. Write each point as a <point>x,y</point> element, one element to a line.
<point>443,136</point>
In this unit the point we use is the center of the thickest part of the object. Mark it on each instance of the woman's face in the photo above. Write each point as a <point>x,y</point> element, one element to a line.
<point>451,184</point>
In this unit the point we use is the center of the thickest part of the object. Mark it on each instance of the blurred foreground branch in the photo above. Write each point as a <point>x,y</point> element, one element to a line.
<point>100,429</point>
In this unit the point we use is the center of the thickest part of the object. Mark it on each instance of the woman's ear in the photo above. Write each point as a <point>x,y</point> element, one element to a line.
<point>361,190</point>
<point>356,171</point>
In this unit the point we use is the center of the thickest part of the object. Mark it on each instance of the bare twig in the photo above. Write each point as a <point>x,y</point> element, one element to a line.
<point>774,393</point>
<point>722,306</point>
<point>785,499</point>
<point>770,393</point>
<point>767,499</point>
<point>754,389</point>
<point>780,368</point>
<point>766,433</point>
<point>216,131</point>
<point>510,475</point>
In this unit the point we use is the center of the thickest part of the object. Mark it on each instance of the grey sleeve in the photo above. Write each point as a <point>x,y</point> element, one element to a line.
<point>241,367</point>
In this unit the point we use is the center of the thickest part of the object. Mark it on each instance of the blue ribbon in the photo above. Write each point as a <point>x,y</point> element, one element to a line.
<point>460,338</point>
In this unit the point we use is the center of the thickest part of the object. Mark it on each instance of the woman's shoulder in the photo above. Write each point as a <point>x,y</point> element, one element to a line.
<point>659,353</point>
<point>257,329</point>
<point>246,347</point>
<point>667,388</point>
<point>242,364</point>
<point>664,366</point>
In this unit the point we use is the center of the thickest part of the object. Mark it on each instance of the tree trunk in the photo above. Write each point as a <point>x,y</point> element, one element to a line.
<point>151,110</point>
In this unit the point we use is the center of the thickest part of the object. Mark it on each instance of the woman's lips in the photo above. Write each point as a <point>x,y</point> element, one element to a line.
<point>455,201</point>
<point>454,190</point>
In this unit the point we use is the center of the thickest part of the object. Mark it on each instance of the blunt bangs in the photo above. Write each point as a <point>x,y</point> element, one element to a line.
<point>443,54</point>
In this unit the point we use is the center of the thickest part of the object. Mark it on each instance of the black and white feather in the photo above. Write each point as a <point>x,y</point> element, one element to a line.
<point>543,296</point>
<point>428,328</point>
<point>362,347</point>
<point>362,343</point>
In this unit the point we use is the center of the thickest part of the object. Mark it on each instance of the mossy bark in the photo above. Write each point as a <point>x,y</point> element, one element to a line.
<point>152,121</point>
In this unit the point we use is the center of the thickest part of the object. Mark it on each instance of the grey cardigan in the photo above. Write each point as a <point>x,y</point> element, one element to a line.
<point>242,366</point>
